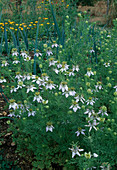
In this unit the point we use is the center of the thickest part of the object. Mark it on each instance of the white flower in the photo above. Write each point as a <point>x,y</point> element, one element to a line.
<point>89,112</point>
<point>59,65</point>
<point>80,131</point>
<point>18,75</point>
<point>49,127</point>
<point>49,52</point>
<point>75,151</point>
<point>20,84</point>
<point>87,155</point>
<point>55,44</point>
<point>65,67</point>
<point>103,111</point>
<point>27,76</point>
<point>38,98</point>
<point>92,125</point>
<point>109,36</point>
<point>63,86</point>
<point>45,77</point>
<point>106,64</point>
<point>66,93</point>
<point>50,85</point>
<point>89,72</point>
<point>31,112</point>
<point>98,87</point>
<point>45,101</point>
<point>95,155</point>
<point>13,104</point>
<point>13,89</point>
<point>4,63</point>
<point>15,53</point>
<point>30,88</point>
<point>52,62</point>
<point>27,58</point>
<point>72,91</point>
<point>38,81</point>
<point>16,62</point>
<point>75,68</point>
<point>2,80</point>
<point>92,51</point>
<point>75,106</point>
<point>90,101</point>
<point>56,71</point>
<point>24,54</point>
<point>79,98</point>
<point>115,87</point>
<point>71,73</point>
<point>37,54</point>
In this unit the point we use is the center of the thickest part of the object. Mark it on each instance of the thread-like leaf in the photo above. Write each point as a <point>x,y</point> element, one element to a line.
<point>14,38</point>
<point>1,42</point>
<point>55,22</point>
<point>5,36</point>
<point>0,16</point>
<point>36,42</point>
<point>24,38</point>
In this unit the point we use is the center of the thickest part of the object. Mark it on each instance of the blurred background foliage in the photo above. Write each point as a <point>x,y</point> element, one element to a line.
<point>22,10</point>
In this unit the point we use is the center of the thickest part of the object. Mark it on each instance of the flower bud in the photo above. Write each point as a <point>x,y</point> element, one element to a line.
<point>88,84</point>
<point>56,94</point>
<point>89,91</point>
<point>115,133</point>
<point>115,93</point>
<point>40,65</point>
<point>69,112</point>
<point>79,15</point>
<point>110,72</point>
<point>67,17</point>
<point>45,45</point>
<point>47,107</point>
<point>102,60</point>
<point>109,129</point>
<point>107,78</point>
<point>8,122</point>
<point>94,72</point>
<point>109,85</point>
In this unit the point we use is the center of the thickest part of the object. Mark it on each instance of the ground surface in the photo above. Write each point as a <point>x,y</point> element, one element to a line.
<point>8,158</point>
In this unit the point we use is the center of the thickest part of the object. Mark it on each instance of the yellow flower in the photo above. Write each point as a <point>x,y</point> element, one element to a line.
<point>45,18</point>
<point>36,21</point>
<point>48,23</point>
<point>11,28</point>
<point>41,24</point>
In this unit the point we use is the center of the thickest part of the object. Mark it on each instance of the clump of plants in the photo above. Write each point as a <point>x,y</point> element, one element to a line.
<point>63,96</point>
